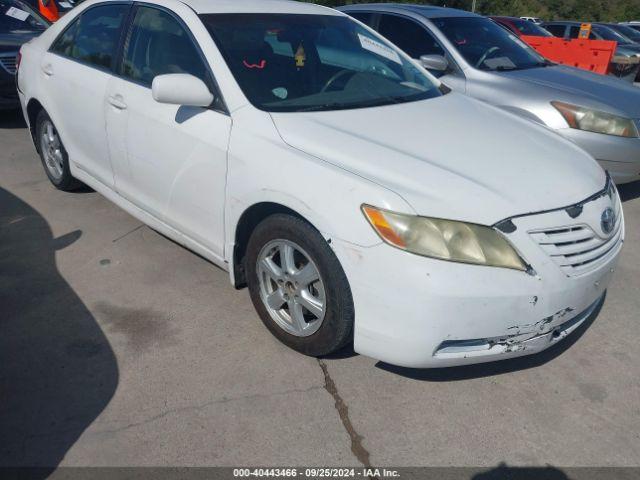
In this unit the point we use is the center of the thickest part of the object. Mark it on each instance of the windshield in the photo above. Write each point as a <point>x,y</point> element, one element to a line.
<point>607,33</point>
<point>487,46</point>
<point>17,17</point>
<point>293,63</point>
<point>627,32</point>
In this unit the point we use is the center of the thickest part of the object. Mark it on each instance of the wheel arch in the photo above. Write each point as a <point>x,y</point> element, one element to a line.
<point>248,221</point>
<point>34,107</point>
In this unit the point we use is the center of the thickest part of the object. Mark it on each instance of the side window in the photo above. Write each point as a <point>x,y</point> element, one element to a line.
<point>410,36</point>
<point>574,32</point>
<point>556,30</point>
<point>364,17</point>
<point>158,44</point>
<point>93,37</point>
<point>64,43</point>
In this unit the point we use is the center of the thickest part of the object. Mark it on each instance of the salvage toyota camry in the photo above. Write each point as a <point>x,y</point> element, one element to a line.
<point>358,198</point>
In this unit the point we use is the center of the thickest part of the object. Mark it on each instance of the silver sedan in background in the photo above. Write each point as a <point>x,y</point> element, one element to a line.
<point>474,55</point>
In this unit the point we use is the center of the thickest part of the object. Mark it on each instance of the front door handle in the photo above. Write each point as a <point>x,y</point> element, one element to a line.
<point>47,69</point>
<point>117,101</point>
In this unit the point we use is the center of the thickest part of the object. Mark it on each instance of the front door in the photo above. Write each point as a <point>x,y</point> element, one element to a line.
<point>169,160</point>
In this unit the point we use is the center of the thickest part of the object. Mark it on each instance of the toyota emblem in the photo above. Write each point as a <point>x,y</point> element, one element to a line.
<point>608,221</point>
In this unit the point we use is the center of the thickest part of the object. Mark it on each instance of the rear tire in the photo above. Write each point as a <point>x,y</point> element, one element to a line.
<point>303,299</point>
<point>53,155</point>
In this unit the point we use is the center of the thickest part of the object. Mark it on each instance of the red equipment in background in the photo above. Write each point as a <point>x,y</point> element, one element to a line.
<point>49,10</point>
<point>592,55</point>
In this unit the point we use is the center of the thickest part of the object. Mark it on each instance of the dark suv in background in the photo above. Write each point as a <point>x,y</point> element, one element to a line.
<point>19,23</point>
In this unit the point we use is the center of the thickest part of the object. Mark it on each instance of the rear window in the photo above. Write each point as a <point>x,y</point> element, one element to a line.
<point>17,17</point>
<point>530,28</point>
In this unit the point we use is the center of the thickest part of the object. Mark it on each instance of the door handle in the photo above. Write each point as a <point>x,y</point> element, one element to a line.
<point>47,69</point>
<point>117,102</point>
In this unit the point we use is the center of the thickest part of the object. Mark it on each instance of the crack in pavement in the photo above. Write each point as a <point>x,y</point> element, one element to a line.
<point>357,448</point>
<point>200,407</point>
<point>128,233</point>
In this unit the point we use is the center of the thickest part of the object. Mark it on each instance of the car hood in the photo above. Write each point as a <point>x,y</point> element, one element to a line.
<point>593,90</point>
<point>450,157</point>
<point>628,49</point>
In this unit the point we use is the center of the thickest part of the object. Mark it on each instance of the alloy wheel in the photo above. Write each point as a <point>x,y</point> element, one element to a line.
<point>291,287</point>
<point>51,149</point>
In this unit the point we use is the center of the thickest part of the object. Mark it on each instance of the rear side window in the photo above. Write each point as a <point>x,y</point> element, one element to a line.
<point>93,37</point>
<point>364,17</point>
<point>410,36</point>
<point>158,45</point>
<point>556,30</point>
<point>574,32</point>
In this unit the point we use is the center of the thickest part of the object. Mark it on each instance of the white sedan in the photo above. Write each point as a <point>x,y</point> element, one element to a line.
<point>355,195</point>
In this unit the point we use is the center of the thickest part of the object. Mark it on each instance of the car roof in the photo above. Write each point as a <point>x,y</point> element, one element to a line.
<point>565,22</point>
<point>258,6</point>
<point>426,11</point>
<point>502,17</point>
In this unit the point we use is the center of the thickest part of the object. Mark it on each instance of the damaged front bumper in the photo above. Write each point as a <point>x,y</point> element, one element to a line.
<point>488,349</point>
<point>419,312</point>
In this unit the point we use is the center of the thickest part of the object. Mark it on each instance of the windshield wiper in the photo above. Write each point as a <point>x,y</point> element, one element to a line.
<point>377,102</point>
<point>346,106</point>
<point>326,106</point>
<point>504,68</point>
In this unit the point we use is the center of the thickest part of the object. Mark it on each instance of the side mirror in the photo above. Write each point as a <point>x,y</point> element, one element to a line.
<point>437,63</point>
<point>181,89</point>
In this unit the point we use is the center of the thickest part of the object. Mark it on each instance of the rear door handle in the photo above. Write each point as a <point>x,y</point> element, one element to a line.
<point>116,101</point>
<point>47,69</point>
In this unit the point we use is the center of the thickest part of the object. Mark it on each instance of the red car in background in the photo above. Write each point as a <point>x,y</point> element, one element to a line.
<point>521,27</point>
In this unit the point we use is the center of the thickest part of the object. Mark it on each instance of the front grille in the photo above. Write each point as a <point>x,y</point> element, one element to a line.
<point>8,62</point>
<point>578,249</point>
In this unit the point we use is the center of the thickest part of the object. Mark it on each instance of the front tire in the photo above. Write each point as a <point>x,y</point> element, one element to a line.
<point>55,159</point>
<point>298,286</point>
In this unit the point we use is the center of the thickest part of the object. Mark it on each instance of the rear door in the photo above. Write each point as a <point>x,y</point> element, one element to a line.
<point>169,160</point>
<point>77,69</point>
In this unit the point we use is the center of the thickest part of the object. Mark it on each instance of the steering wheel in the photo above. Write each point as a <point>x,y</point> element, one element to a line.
<point>486,55</point>
<point>336,77</point>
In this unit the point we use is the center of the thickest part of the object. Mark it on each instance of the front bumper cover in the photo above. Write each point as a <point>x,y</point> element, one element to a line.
<point>419,312</point>
<point>619,156</point>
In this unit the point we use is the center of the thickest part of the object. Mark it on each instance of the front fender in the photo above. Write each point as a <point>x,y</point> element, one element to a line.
<point>262,168</point>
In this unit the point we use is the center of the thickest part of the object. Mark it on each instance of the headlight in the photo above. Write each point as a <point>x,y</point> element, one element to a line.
<point>598,122</point>
<point>444,239</point>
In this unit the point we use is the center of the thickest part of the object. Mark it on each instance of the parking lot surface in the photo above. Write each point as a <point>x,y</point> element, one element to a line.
<point>121,348</point>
